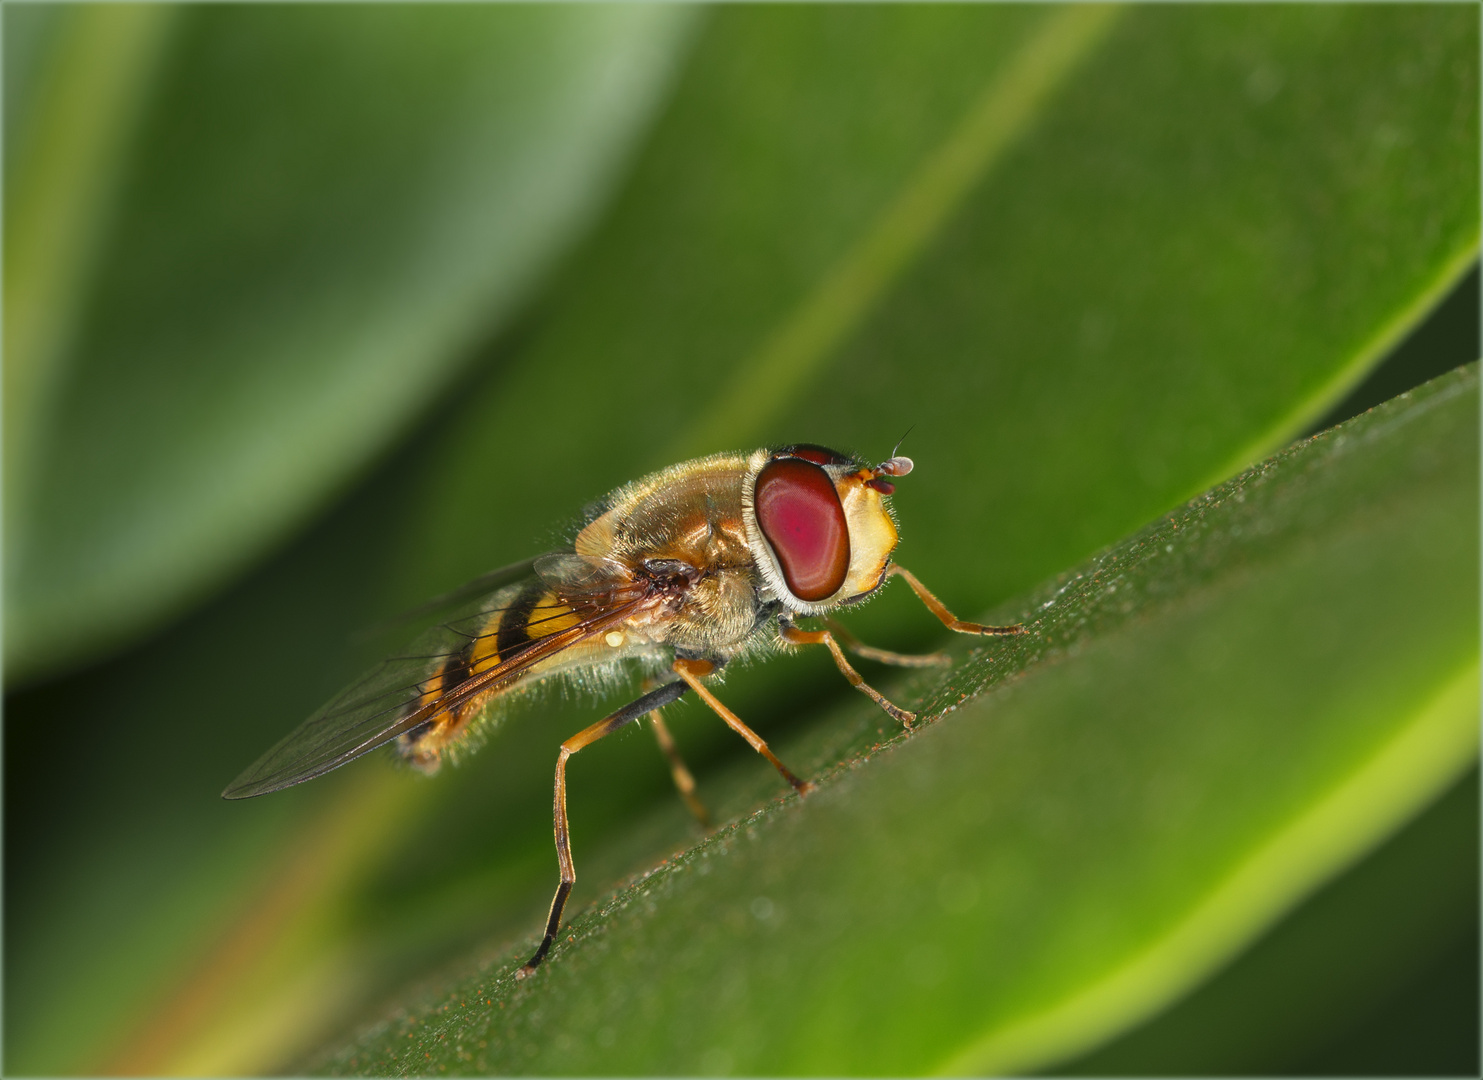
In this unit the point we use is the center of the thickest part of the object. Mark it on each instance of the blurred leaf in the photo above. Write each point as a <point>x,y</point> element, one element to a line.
<point>129,875</point>
<point>317,217</point>
<point>1209,719</point>
<point>76,78</point>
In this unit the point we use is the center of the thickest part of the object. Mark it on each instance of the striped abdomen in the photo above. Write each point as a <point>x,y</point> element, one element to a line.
<point>525,613</point>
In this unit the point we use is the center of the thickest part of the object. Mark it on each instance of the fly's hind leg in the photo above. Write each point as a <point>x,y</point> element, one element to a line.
<point>946,617</point>
<point>653,700</point>
<point>692,671</point>
<point>792,634</point>
<point>684,782</point>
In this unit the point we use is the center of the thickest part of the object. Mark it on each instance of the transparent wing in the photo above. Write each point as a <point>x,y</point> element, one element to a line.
<point>390,699</point>
<point>481,588</point>
<point>577,575</point>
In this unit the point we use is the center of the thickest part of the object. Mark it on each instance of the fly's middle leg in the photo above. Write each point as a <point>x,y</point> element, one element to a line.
<point>692,671</point>
<point>791,633</point>
<point>653,700</point>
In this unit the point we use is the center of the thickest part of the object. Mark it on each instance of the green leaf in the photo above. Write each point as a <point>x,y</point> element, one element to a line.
<point>155,927</point>
<point>1207,720</point>
<point>250,247</point>
<point>76,80</point>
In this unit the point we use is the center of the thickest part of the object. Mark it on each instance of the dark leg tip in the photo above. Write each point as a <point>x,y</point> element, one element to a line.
<point>529,967</point>
<point>1017,630</point>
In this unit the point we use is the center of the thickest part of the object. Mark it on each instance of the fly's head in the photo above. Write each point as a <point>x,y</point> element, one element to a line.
<point>818,524</point>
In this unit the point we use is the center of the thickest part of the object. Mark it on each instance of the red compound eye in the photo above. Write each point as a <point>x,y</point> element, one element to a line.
<point>799,513</point>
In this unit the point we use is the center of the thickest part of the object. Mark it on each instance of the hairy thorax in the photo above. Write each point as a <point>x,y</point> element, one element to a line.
<point>682,529</point>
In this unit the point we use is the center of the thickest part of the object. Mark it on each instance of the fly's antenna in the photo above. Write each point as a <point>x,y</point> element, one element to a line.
<point>896,465</point>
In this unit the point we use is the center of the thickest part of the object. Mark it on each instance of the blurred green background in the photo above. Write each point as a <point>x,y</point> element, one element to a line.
<point>313,312</point>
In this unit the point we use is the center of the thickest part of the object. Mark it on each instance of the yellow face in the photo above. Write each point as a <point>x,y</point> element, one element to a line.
<point>872,534</point>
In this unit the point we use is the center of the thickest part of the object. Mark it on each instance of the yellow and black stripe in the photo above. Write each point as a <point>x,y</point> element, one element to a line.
<point>535,612</point>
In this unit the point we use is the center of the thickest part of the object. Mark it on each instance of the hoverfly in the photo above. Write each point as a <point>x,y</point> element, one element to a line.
<point>679,574</point>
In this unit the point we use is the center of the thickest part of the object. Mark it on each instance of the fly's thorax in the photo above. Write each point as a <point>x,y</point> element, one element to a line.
<point>819,525</point>
<point>718,614</point>
<point>691,512</point>
<point>684,528</point>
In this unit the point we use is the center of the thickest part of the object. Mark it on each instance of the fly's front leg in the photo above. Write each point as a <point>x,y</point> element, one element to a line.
<point>792,634</point>
<point>692,671</point>
<point>948,619</point>
<point>654,699</point>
